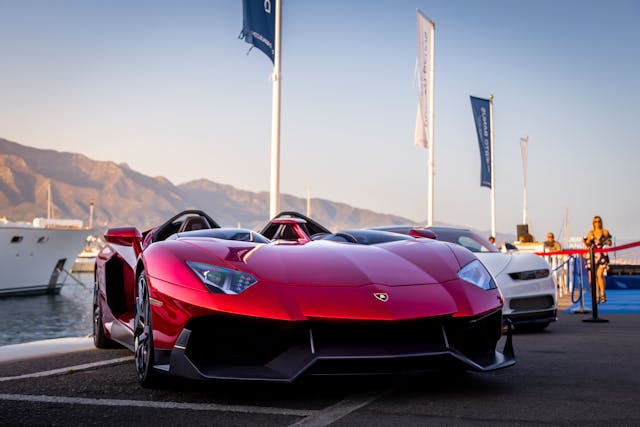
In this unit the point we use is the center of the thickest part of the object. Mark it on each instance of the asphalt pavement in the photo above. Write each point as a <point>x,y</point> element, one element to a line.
<point>573,373</point>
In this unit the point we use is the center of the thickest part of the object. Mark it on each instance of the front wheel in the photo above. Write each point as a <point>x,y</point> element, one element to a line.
<point>143,335</point>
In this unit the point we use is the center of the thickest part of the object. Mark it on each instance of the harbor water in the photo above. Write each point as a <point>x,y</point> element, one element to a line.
<point>33,318</point>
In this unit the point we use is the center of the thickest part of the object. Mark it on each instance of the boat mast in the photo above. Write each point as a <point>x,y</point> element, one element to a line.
<point>91,214</point>
<point>566,227</point>
<point>49,205</point>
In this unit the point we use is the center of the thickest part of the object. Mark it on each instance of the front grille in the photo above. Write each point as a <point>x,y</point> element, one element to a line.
<point>543,302</point>
<point>476,338</point>
<point>221,343</point>
<point>382,365</point>
<point>397,336</point>
<point>227,340</point>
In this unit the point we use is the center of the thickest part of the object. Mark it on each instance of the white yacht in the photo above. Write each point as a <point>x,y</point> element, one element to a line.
<point>35,257</point>
<point>86,260</point>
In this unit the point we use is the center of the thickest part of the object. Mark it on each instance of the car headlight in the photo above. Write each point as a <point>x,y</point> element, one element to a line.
<point>475,273</point>
<point>530,274</point>
<point>222,280</point>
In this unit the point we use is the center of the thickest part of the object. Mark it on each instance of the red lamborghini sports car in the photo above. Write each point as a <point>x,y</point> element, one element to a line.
<point>195,300</point>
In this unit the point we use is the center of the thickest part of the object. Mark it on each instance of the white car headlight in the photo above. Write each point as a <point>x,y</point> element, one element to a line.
<point>222,280</point>
<point>475,273</point>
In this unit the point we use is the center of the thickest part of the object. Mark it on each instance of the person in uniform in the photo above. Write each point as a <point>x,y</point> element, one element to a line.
<point>598,236</point>
<point>556,261</point>
<point>550,245</point>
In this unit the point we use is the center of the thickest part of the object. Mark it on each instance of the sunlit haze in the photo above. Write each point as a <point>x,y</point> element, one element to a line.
<point>168,88</point>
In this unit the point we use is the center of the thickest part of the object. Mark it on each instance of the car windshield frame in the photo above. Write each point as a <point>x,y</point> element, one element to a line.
<point>464,238</point>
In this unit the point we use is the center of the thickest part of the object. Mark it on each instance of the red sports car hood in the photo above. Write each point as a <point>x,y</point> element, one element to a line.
<point>404,279</point>
<point>324,263</point>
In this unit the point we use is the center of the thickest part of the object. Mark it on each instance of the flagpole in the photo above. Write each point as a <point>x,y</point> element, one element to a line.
<point>423,136</point>
<point>524,172</point>
<point>431,148</point>
<point>524,204</point>
<point>274,202</point>
<point>493,172</point>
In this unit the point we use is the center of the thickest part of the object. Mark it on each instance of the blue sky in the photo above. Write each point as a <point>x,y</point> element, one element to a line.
<point>168,88</point>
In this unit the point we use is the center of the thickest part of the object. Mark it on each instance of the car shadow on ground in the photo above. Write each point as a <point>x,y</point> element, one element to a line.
<point>320,392</point>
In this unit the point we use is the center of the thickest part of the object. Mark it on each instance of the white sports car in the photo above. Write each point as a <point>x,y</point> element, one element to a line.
<point>525,279</point>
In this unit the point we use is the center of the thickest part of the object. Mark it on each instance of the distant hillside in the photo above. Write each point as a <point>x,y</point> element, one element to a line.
<point>123,196</point>
<point>233,206</point>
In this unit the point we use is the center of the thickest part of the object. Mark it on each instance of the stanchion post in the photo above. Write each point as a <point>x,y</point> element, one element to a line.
<point>592,274</point>
<point>578,266</point>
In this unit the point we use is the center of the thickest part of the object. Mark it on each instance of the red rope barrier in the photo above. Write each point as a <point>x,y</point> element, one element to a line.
<point>619,248</point>
<point>565,252</point>
<point>584,251</point>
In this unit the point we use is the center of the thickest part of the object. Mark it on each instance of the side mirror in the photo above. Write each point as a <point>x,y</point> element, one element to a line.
<point>125,236</point>
<point>421,232</point>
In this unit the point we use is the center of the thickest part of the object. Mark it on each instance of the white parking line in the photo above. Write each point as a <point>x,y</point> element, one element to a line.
<point>341,409</point>
<point>68,369</point>
<point>158,405</point>
<point>311,417</point>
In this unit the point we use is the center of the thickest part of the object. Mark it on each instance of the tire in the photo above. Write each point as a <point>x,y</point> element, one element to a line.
<point>100,339</point>
<point>143,336</point>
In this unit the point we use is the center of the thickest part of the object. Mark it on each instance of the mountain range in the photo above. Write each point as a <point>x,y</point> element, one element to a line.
<point>122,196</point>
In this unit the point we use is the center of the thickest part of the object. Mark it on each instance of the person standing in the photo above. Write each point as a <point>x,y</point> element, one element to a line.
<point>550,245</point>
<point>598,236</point>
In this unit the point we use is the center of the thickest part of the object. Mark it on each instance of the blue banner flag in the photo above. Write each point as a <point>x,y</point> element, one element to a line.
<point>481,114</point>
<point>258,24</point>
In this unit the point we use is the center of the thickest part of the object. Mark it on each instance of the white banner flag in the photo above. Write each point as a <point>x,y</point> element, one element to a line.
<point>420,136</point>
<point>424,121</point>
